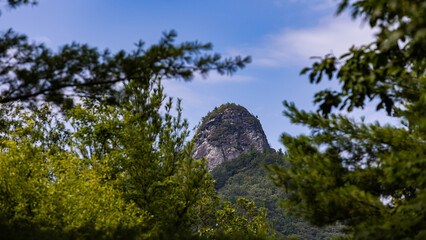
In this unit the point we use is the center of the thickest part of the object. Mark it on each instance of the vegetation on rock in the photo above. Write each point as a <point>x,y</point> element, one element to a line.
<point>226,132</point>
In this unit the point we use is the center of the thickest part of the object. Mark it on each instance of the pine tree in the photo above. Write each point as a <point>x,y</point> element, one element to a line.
<point>370,177</point>
<point>33,73</point>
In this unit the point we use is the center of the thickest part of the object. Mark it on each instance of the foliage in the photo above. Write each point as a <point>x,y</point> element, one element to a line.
<point>32,72</point>
<point>47,192</point>
<point>219,110</point>
<point>246,161</point>
<point>371,177</point>
<point>225,127</point>
<point>16,3</point>
<point>117,165</point>
<point>391,69</point>
<point>246,177</point>
<point>242,221</point>
<point>223,130</point>
<point>111,172</point>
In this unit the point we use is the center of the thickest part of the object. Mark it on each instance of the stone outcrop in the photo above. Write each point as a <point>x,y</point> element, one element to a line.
<point>226,132</point>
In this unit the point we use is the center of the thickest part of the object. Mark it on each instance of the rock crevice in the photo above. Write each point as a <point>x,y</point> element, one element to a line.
<point>226,132</point>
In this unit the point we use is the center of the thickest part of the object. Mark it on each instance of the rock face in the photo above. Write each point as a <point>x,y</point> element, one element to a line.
<point>227,132</point>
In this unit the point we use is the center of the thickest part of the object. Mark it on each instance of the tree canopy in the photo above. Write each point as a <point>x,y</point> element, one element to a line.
<point>112,172</point>
<point>118,164</point>
<point>31,72</point>
<point>370,177</point>
<point>246,177</point>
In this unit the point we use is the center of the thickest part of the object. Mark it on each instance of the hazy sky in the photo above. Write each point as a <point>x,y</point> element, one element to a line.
<point>280,35</point>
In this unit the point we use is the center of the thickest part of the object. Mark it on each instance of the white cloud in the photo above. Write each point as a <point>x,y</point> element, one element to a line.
<point>214,77</point>
<point>320,5</point>
<point>193,96</point>
<point>295,46</point>
<point>42,39</point>
<point>316,5</point>
<point>178,89</point>
<point>278,3</point>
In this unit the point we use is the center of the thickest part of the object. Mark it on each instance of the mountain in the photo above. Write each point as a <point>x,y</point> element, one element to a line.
<point>226,132</point>
<point>233,141</point>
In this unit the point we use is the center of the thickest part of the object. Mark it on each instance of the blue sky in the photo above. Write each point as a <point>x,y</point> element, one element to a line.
<point>280,35</point>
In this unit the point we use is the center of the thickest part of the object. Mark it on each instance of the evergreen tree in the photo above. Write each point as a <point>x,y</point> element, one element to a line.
<point>116,166</point>
<point>370,177</point>
<point>245,176</point>
<point>112,172</point>
<point>32,72</point>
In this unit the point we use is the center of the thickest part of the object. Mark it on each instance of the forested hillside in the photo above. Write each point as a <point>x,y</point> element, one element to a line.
<point>246,177</point>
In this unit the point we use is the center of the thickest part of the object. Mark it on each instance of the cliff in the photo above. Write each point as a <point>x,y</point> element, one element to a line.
<point>226,132</point>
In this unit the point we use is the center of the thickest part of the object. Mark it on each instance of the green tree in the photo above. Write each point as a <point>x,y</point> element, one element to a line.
<point>114,172</point>
<point>246,177</point>
<point>50,192</point>
<point>116,166</point>
<point>370,177</point>
<point>16,3</point>
<point>32,72</point>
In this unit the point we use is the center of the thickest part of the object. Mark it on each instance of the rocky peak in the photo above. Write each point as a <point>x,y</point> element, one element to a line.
<point>226,132</point>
